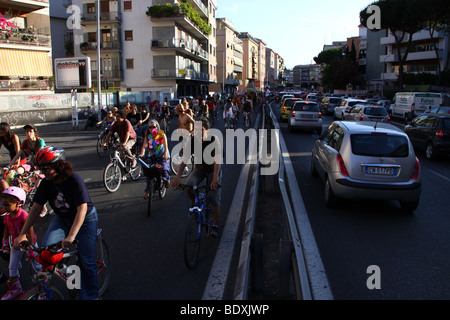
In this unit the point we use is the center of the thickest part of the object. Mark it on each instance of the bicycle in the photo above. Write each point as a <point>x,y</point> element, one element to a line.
<point>175,162</point>
<point>58,268</point>
<point>28,181</point>
<point>118,169</point>
<point>155,183</point>
<point>100,139</point>
<point>199,219</point>
<point>165,124</point>
<point>246,116</point>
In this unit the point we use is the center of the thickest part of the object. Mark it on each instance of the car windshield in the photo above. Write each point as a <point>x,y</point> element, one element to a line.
<point>335,100</point>
<point>379,145</point>
<point>375,111</point>
<point>289,103</point>
<point>306,107</point>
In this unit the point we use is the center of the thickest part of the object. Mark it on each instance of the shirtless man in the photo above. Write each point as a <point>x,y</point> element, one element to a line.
<point>185,120</point>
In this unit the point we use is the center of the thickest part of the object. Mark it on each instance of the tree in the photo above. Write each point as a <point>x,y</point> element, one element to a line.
<point>402,19</point>
<point>338,69</point>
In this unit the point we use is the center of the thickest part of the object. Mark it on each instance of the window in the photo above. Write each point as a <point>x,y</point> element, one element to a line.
<point>129,63</point>
<point>128,6</point>
<point>129,35</point>
<point>379,145</point>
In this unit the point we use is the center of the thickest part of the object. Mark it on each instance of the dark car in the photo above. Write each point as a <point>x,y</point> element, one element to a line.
<point>430,132</point>
<point>328,104</point>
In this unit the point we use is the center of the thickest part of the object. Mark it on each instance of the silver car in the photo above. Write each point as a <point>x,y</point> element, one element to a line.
<point>361,112</point>
<point>367,160</point>
<point>305,115</point>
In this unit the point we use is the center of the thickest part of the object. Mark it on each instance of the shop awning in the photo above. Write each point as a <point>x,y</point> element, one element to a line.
<point>25,63</point>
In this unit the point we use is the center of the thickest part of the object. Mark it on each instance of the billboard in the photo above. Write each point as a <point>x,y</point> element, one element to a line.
<point>73,73</point>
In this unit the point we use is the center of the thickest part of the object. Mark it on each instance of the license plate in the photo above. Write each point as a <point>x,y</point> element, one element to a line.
<point>381,171</point>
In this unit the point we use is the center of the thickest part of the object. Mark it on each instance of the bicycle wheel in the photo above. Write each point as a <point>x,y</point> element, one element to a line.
<point>103,260</point>
<point>33,294</point>
<point>162,189</point>
<point>192,242</point>
<point>112,177</point>
<point>135,173</point>
<point>100,150</point>
<point>150,196</point>
<point>175,162</point>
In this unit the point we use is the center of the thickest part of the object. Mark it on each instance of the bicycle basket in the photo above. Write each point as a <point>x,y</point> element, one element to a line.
<point>48,259</point>
<point>153,171</point>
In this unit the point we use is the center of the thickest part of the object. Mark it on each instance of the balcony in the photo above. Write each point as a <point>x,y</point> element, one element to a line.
<point>176,73</point>
<point>105,17</point>
<point>14,85</point>
<point>114,74</point>
<point>24,6</point>
<point>104,46</point>
<point>24,38</point>
<point>190,48</point>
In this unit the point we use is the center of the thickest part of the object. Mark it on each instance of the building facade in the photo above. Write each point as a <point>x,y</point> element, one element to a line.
<point>25,47</point>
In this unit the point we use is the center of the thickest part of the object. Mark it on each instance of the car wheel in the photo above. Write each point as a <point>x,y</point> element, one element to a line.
<point>330,198</point>
<point>409,206</point>
<point>430,153</point>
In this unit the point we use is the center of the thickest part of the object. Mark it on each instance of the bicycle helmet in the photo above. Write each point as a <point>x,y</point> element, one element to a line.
<point>48,155</point>
<point>16,192</point>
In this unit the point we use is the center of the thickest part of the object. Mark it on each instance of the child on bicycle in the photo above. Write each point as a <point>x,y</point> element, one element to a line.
<point>12,200</point>
<point>156,144</point>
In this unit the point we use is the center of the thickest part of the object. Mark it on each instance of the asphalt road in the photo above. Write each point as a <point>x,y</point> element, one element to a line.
<point>411,251</point>
<point>146,252</point>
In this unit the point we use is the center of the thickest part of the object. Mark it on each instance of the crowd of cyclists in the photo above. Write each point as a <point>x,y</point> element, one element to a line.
<point>75,215</point>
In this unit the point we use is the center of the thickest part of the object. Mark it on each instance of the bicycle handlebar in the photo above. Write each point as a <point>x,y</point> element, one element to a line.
<point>25,245</point>
<point>196,188</point>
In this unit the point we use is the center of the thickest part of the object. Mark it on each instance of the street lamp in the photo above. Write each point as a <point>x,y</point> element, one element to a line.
<point>99,76</point>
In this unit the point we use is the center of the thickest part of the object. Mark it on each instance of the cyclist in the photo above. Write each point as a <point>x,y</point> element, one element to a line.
<point>30,146</point>
<point>157,145</point>
<point>247,110</point>
<point>75,214</point>
<point>11,142</point>
<point>185,119</point>
<point>13,198</point>
<point>212,108</point>
<point>108,120</point>
<point>203,110</point>
<point>212,172</point>
<point>126,133</point>
<point>229,113</point>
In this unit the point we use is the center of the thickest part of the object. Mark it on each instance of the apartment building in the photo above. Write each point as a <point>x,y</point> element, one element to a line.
<point>230,54</point>
<point>422,56</point>
<point>25,46</point>
<point>150,46</point>
<point>307,76</point>
<point>251,67</point>
<point>261,80</point>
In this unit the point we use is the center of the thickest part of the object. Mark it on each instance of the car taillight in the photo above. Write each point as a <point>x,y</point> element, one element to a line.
<point>416,171</point>
<point>284,108</point>
<point>293,114</point>
<point>440,133</point>
<point>320,115</point>
<point>342,167</point>
<point>412,107</point>
<point>361,118</point>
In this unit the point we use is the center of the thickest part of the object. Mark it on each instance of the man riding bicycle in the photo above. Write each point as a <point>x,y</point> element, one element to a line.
<point>209,169</point>
<point>247,110</point>
<point>126,133</point>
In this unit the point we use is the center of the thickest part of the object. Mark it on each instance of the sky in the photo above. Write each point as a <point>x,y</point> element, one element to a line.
<point>295,29</point>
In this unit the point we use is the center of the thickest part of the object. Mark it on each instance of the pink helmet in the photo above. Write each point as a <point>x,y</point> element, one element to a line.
<point>16,192</point>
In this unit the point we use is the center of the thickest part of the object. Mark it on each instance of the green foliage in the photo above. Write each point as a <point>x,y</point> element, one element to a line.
<point>168,10</point>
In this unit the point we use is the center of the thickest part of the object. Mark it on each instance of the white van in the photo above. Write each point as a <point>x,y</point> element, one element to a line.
<point>407,105</point>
